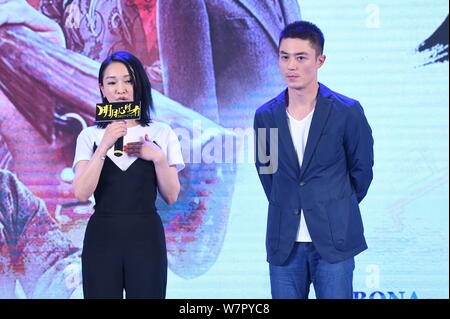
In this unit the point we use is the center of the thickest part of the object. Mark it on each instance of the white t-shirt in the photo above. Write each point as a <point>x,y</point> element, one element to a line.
<point>299,132</point>
<point>159,132</point>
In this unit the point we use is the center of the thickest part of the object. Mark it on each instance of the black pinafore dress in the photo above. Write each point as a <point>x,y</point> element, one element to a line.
<point>124,245</point>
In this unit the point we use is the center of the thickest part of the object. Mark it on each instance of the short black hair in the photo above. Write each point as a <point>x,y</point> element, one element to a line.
<point>306,31</point>
<point>141,84</point>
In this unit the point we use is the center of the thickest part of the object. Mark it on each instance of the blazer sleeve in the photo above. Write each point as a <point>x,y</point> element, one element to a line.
<point>358,143</point>
<point>262,154</point>
<point>186,55</point>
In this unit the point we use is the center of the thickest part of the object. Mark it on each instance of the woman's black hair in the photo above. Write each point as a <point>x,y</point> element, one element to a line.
<point>141,84</point>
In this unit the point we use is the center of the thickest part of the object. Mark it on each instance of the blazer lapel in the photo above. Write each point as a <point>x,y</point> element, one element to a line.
<point>286,147</point>
<point>320,116</point>
<point>265,13</point>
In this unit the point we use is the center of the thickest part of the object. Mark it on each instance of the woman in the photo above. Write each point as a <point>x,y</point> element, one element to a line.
<point>199,218</point>
<point>124,244</point>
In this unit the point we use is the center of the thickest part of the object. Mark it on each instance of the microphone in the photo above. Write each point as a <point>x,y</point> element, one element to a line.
<point>118,147</point>
<point>118,111</point>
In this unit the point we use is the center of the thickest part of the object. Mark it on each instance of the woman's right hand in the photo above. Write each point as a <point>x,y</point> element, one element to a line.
<point>113,131</point>
<point>87,173</point>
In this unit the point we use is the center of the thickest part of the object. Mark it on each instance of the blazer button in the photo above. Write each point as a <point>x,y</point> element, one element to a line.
<point>296,211</point>
<point>302,183</point>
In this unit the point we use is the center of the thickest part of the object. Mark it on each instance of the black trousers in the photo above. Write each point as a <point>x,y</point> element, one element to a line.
<point>124,252</point>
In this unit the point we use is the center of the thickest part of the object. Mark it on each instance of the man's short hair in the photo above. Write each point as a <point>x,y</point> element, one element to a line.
<point>306,31</point>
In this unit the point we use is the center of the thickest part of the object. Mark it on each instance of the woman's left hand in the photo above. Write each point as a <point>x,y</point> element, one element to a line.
<point>145,149</point>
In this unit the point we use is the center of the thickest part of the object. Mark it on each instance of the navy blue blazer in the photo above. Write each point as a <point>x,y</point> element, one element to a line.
<point>335,175</point>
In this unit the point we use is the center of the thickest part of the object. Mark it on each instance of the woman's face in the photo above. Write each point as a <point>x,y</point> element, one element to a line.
<point>117,83</point>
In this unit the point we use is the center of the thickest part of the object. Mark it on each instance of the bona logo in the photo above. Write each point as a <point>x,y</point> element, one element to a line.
<point>384,295</point>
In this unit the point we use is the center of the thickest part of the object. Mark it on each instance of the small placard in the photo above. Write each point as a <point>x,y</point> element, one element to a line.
<point>118,111</point>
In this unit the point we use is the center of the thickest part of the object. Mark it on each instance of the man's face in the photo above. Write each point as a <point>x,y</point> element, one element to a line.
<point>299,63</point>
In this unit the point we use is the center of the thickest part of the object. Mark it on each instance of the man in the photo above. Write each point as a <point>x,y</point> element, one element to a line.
<point>315,175</point>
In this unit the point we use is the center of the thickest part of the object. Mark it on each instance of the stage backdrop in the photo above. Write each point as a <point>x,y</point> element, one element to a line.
<point>211,64</point>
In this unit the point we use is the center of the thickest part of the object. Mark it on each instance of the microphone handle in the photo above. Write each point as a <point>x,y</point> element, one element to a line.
<point>118,147</point>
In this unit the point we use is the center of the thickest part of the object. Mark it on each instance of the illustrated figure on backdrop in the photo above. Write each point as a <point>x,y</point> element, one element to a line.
<point>197,222</point>
<point>34,252</point>
<point>124,245</point>
<point>218,56</point>
<point>317,172</point>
